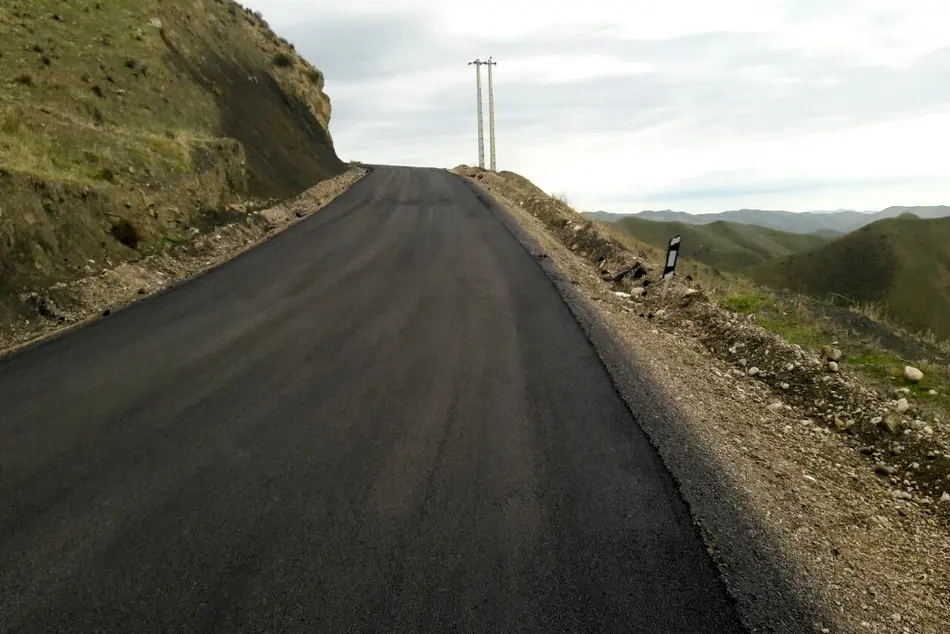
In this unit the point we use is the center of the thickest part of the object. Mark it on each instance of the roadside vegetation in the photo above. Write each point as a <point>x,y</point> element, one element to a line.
<point>873,345</point>
<point>125,124</point>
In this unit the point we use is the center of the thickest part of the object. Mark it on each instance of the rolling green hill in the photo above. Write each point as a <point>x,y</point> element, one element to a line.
<point>902,264</point>
<point>726,246</point>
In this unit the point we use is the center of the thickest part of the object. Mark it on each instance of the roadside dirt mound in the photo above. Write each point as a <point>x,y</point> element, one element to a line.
<point>586,238</point>
<point>125,124</point>
<point>911,453</point>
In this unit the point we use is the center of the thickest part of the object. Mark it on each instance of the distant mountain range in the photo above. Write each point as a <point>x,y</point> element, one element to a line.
<point>825,223</point>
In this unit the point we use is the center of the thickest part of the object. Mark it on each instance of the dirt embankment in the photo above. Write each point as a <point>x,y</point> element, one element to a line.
<point>822,499</point>
<point>115,284</point>
<point>126,125</point>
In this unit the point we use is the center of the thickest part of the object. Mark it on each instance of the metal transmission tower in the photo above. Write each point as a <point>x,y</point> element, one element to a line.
<point>491,112</point>
<point>481,130</point>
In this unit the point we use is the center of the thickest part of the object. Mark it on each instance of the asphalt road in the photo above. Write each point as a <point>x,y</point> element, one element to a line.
<point>384,419</point>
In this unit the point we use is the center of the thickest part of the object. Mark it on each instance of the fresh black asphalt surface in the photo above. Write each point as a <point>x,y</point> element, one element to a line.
<point>384,419</point>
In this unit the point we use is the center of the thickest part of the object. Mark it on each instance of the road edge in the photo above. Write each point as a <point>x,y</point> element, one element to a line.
<point>276,228</point>
<point>767,596</point>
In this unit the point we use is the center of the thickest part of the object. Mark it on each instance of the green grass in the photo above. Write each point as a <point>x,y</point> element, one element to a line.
<point>805,334</point>
<point>173,239</point>
<point>887,370</point>
<point>778,316</point>
<point>793,322</point>
<point>748,302</point>
<point>721,245</point>
<point>108,71</point>
<point>899,266</point>
<point>155,112</point>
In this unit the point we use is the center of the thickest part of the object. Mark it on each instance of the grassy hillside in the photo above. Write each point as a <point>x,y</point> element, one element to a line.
<point>901,264</point>
<point>123,121</point>
<point>722,245</point>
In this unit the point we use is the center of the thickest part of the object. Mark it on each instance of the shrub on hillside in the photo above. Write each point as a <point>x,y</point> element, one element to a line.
<point>283,60</point>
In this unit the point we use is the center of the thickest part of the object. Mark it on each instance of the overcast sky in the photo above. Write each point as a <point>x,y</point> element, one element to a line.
<point>628,105</point>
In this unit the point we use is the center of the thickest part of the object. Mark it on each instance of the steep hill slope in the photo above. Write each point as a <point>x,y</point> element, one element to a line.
<point>124,121</point>
<point>901,263</point>
<point>722,245</point>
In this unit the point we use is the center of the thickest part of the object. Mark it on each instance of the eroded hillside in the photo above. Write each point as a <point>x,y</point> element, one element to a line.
<point>126,123</point>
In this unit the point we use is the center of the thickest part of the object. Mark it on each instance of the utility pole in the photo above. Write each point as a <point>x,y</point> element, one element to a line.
<point>491,112</point>
<point>481,131</point>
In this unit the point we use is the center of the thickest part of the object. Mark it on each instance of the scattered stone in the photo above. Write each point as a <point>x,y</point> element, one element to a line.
<point>945,498</point>
<point>622,295</point>
<point>912,374</point>
<point>660,314</point>
<point>785,386</point>
<point>903,405</point>
<point>883,469</point>
<point>790,367</point>
<point>776,406</point>
<point>832,366</point>
<point>932,392</point>
<point>901,391</point>
<point>753,371</point>
<point>877,420</point>
<point>637,292</point>
<point>831,354</point>
<point>690,291</point>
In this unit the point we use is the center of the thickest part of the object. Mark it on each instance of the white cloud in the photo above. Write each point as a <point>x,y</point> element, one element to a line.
<point>627,104</point>
<point>571,68</point>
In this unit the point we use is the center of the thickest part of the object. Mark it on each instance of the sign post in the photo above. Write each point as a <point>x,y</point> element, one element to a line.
<point>672,253</point>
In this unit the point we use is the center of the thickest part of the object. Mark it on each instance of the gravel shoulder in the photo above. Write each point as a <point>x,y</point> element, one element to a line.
<point>69,305</point>
<point>808,531</point>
